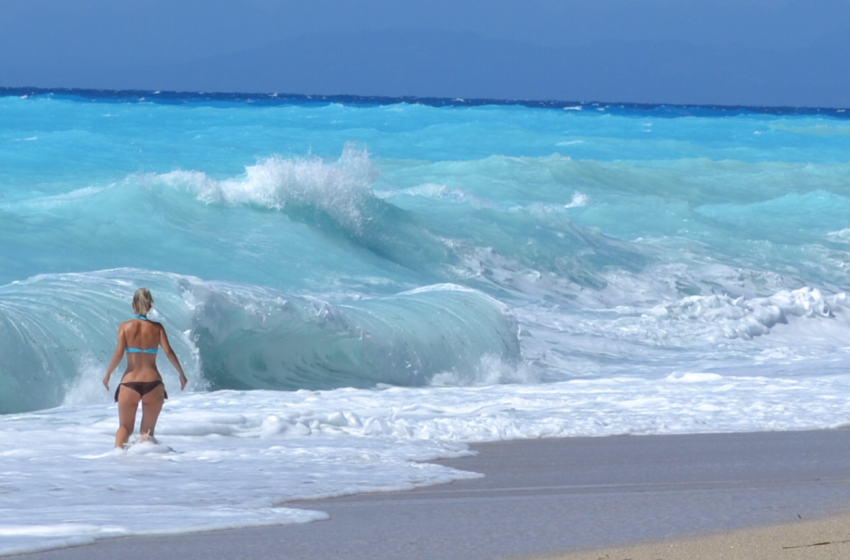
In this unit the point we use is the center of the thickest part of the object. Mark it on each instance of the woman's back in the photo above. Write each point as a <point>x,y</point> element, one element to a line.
<point>142,339</point>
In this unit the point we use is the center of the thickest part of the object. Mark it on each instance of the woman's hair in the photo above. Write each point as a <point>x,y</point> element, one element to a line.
<point>142,301</point>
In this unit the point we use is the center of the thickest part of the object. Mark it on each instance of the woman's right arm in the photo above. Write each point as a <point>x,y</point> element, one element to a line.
<point>116,357</point>
<point>172,357</point>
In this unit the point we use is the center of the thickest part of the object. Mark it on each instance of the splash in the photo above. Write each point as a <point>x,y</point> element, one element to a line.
<point>340,189</point>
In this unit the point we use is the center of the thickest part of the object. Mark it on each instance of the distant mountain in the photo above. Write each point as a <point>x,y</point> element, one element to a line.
<point>434,63</point>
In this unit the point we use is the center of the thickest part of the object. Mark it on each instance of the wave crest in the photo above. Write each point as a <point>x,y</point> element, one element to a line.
<point>338,188</point>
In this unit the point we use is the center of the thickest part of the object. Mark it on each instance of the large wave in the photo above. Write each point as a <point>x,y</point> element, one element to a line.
<point>57,329</point>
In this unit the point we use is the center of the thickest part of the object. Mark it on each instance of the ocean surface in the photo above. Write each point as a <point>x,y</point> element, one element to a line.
<point>357,285</point>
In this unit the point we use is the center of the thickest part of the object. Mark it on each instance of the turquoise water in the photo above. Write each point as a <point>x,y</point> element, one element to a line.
<point>313,244</point>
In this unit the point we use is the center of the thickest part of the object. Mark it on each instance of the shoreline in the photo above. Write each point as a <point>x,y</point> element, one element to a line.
<point>551,498</point>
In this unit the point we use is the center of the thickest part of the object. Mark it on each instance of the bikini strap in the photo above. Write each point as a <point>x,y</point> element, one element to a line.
<point>142,317</point>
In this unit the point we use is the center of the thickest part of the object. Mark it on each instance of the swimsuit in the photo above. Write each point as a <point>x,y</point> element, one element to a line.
<point>141,387</point>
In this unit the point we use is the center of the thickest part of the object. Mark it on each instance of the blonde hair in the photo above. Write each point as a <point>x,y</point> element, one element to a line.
<point>142,301</point>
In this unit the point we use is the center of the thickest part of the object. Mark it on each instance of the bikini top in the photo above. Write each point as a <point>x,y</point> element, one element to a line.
<point>141,350</point>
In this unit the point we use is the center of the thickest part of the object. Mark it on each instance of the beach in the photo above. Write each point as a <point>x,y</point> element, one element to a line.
<point>579,497</point>
<point>824,539</point>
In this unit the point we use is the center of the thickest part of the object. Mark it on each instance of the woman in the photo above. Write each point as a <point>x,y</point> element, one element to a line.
<point>140,339</point>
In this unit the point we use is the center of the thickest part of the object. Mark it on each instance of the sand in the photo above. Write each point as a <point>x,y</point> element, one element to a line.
<point>825,539</point>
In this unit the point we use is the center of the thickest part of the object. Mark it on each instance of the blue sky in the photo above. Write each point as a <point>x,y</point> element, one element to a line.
<point>750,52</point>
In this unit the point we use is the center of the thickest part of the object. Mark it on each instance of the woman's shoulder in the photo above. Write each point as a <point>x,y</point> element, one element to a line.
<point>155,324</point>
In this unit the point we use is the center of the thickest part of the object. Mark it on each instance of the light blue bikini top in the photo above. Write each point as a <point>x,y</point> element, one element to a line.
<point>141,350</point>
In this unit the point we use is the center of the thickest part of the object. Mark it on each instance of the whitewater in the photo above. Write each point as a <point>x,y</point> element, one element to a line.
<point>357,286</point>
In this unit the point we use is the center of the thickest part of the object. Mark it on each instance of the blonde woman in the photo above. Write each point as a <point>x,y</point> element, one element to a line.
<point>140,339</point>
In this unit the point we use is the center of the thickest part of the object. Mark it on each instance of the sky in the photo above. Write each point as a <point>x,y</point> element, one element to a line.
<point>743,52</point>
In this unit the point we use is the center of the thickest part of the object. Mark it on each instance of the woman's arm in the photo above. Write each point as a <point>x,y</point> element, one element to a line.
<point>116,357</point>
<point>172,357</point>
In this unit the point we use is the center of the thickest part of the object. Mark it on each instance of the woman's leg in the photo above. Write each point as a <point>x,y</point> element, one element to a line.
<point>151,407</point>
<point>128,403</point>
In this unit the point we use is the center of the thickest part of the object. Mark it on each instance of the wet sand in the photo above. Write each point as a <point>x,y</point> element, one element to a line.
<point>551,497</point>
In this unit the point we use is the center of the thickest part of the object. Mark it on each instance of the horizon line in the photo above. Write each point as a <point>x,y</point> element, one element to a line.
<point>275,98</point>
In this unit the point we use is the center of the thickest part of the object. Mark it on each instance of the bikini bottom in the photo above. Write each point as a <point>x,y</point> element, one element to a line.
<point>141,387</point>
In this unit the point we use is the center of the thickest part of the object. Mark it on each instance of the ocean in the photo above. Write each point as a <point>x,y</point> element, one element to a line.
<point>357,285</point>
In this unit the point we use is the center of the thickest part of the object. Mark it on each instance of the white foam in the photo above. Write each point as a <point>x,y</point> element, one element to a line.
<point>338,188</point>
<point>578,200</point>
<point>688,377</point>
<point>840,235</point>
<point>440,192</point>
<point>491,371</point>
<point>234,459</point>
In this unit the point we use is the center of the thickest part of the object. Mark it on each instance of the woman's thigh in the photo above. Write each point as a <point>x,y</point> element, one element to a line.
<point>152,405</point>
<point>128,403</point>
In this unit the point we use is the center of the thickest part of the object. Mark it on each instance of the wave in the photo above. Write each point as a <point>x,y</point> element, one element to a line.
<point>606,264</point>
<point>339,189</point>
<point>748,318</point>
<point>303,342</point>
<point>334,199</point>
<point>56,330</point>
<point>411,225</point>
<point>321,214</point>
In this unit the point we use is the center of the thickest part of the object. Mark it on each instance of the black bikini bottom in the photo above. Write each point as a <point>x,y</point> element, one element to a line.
<point>141,387</point>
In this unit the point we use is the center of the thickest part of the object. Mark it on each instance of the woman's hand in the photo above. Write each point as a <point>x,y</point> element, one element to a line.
<point>106,382</point>
<point>183,381</point>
